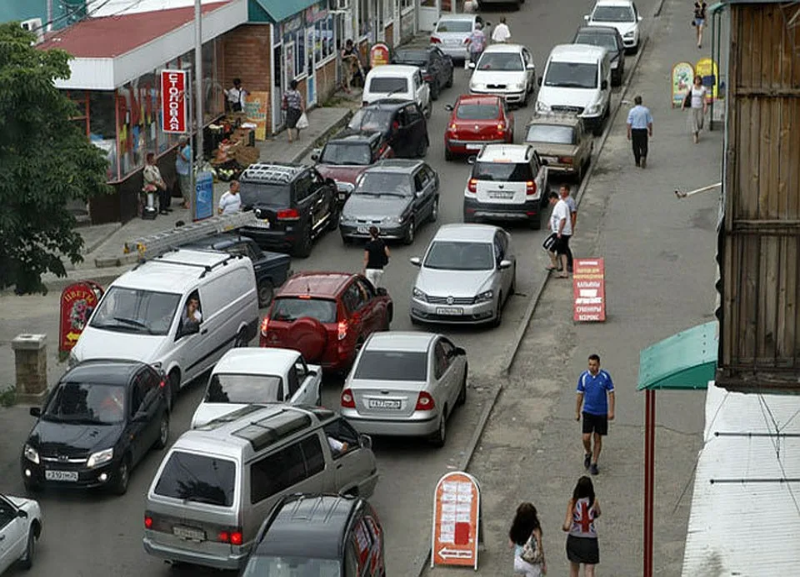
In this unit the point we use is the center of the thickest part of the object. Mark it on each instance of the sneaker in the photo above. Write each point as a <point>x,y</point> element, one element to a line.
<point>593,469</point>
<point>587,460</point>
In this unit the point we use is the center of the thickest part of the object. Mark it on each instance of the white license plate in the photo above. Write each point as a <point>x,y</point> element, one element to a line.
<point>474,146</point>
<point>61,476</point>
<point>501,194</point>
<point>189,533</point>
<point>450,311</point>
<point>383,404</point>
<point>550,158</point>
<point>262,224</point>
<point>362,229</point>
<point>453,41</point>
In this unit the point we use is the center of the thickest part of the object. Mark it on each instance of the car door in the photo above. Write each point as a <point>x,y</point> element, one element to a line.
<point>401,136</point>
<point>584,145</point>
<point>455,368</point>
<point>508,117</point>
<point>367,308</point>
<point>419,182</point>
<point>416,128</point>
<point>530,73</point>
<point>13,534</point>
<point>443,382</point>
<point>352,465</point>
<point>422,92</point>
<point>445,64</point>
<point>538,169</point>
<point>307,383</point>
<point>319,201</point>
<point>501,250</point>
<point>137,432</point>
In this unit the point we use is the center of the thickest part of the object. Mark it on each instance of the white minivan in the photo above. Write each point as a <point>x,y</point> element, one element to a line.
<point>577,80</point>
<point>399,82</point>
<point>178,313</point>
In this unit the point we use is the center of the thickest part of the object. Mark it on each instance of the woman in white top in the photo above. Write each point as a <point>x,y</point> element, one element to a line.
<point>582,547</point>
<point>698,105</point>
<point>526,528</point>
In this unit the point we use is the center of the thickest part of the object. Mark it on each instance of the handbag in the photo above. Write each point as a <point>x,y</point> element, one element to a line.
<point>531,552</point>
<point>687,100</point>
<point>549,242</point>
<point>302,122</point>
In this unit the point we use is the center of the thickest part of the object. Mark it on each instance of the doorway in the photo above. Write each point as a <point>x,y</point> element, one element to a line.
<point>429,14</point>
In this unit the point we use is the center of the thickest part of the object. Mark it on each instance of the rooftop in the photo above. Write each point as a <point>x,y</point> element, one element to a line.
<point>504,153</point>
<point>257,360</point>
<point>317,284</point>
<point>466,232</point>
<point>172,272</point>
<point>400,341</point>
<point>403,165</point>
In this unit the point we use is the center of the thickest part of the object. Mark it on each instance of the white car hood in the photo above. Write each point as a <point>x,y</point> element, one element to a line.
<point>623,27</point>
<point>207,412</point>
<point>481,77</point>
<point>104,344</point>
<point>455,283</point>
<point>21,502</point>
<point>560,96</point>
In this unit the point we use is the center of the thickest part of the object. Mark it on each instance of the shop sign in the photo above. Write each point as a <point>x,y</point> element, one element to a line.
<point>255,110</point>
<point>379,55</point>
<point>293,25</point>
<point>174,107</point>
<point>316,13</point>
<point>682,79</point>
<point>707,68</point>
<point>78,301</point>
<point>204,195</point>
<point>589,289</point>
<point>456,515</point>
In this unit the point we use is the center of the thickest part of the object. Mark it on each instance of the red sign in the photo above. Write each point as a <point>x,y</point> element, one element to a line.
<point>589,289</point>
<point>379,55</point>
<point>174,109</point>
<point>456,514</point>
<point>78,301</point>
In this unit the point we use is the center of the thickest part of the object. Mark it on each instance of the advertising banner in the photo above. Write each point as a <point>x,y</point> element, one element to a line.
<point>78,301</point>
<point>174,107</point>
<point>589,289</point>
<point>379,55</point>
<point>682,79</point>
<point>204,195</point>
<point>707,68</point>
<point>456,515</point>
<point>255,108</point>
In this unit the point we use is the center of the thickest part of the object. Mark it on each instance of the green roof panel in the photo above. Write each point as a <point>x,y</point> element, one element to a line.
<point>686,360</point>
<point>280,10</point>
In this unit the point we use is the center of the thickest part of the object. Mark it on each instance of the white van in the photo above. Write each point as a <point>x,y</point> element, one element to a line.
<point>577,80</point>
<point>399,82</point>
<point>144,314</point>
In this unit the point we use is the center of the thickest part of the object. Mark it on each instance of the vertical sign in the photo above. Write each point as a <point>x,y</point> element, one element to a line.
<point>204,195</point>
<point>456,514</point>
<point>682,79</point>
<point>255,108</point>
<point>174,108</point>
<point>378,55</point>
<point>589,289</point>
<point>707,68</point>
<point>78,301</point>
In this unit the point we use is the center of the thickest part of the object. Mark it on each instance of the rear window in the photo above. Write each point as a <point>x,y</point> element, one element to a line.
<point>606,41</point>
<point>346,154</point>
<point>454,26</point>
<point>292,308</point>
<point>238,388</point>
<point>551,133</point>
<point>412,57</point>
<point>392,366</point>
<point>388,84</point>
<point>502,171</point>
<point>263,193</point>
<point>478,111</point>
<point>198,478</point>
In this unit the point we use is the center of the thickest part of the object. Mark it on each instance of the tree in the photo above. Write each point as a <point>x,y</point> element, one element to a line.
<point>46,161</point>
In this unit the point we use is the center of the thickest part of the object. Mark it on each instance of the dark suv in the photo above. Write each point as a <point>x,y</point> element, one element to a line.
<point>401,122</point>
<point>294,204</point>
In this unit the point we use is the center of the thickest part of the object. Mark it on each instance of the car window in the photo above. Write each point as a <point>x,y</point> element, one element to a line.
<point>136,311</point>
<point>346,154</point>
<point>292,308</point>
<point>419,181</point>
<point>449,348</point>
<point>344,436</point>
<point>462,26</point>
<point>238,249</point>
<point>375,181</point>
<point>440,361</point>
<point>503,240</point>
<point>198,478</point>
<point>74,402</point>
<point>351,298</point>
<point>501,62</point>
<point>412,57</point>
<point>244,388</point>
<point>145,383</point>
<point>502,171</point>
<point>499,251</point>
<point>276,472</point>
<point>613,14</point>
<point>477,111</point>
<point>371,119</point>
<point>294,382</point>
<point>313,455</point>
<point>413,113</point>
<point>303,187</point>
<point>7,513</point>
<point>253,251</point>
<point>392,366</point>
<point>551,133</point>
<point>301,369</point>
<point>607,41</point>
<point>387,84</point>
<point>275,194</point>
<point>367,292</point>
<point>571,75</point>
<point>430,173</point>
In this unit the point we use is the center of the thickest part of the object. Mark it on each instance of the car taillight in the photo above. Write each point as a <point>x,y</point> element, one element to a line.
<point>424,402</point>
<point>435,40</point>
<point>530,188</point>
<point>148,522</point>
<point>234,537</point>
<point>565,159</point>
<point>472,185</point>
<point>501,127</point>
<point>347,401</point>
<point>265,326</point>
<point>342,329</point>
<point>426,76</point>
<point>288,214</point>
<point>162,384</point>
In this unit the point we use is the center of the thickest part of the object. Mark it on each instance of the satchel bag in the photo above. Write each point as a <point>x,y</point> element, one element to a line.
<point>531,552</point>
<point>550,242</point>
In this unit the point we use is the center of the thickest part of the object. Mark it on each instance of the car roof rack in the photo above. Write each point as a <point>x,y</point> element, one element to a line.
<point>274,428</point>
<point>207,268</point>
<point>263,172</point>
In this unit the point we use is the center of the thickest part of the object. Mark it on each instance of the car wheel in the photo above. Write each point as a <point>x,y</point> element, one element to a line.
<point>163,432</point>
<point>448,156</point>
<point>462,394</point>
<point>265,293</point>
<point>26,562</point>
<point>31,486</point>
<point>410,233</point>
<point>303,248</point>
<point>498,315</point>
<point>440,436</point>
<point>173,386</point>
<point>122,477</point>
<point>333,217</point>
<point>435,90</point>
<point>347,240</point>
<point>536,222</point>
<point>422,148</point>
<point>435,210</point>
<point>513,288</point>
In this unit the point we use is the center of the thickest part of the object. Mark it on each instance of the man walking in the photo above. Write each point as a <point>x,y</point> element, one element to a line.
<point>376,256</point>
<point>231,202</point>
<point>573,217</point>
<point>640,127</point>
<point>501,32</point>
<point>596,396</point>
<point>476,43</point>
<point>183,162</point>
<point>561,226</point>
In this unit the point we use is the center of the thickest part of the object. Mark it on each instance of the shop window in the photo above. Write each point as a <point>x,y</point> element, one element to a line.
<point>102,132</point>
<point>406,4</point>
<point>363,18</point>
<point>300,51</point>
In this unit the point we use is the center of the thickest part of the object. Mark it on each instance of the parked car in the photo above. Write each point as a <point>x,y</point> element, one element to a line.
<point>508,182</point>
<point>347,155</point>
<point>435,65</point>
<point>345,531</point>
<point>271,268</point>
<point>476,120</point>
<point>326,316</point>
<point>452,30</point>
<point>294,205</point>
<point>20,529</point>
<point>397,81</point>
<point>562,142</point>
<point>401,122</point>
<point>609,38</point>
<point>396,196</point>
<point>622,15</point>
<point>97,424</point>
<point>254,375</point>
<point>466,275</point>
<point>405,384</point>
<point>506,70</point>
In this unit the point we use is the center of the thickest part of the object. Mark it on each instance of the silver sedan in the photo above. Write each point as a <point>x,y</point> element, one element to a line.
<point>405,384</point>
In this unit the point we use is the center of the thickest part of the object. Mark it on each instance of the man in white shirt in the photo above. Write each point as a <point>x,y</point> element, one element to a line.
<point>231,202</point>
<point>501,33</point>
<point>561,226</point>
<point>573,213</point>
<point>236,96</point>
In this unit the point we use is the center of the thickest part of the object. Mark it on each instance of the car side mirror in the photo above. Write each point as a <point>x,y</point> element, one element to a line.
<point>586,17</point>
<point>531,67</point>
<point>365,441</point>
<point>504,264</point>
<point>539,81</point>
<point>460,351</point>
<point>472,159</point>
<point>448,107</point>
<point>471,66</point>
<point>415,260</point>
<point>22,514</point>
<point>36,412</point>
<point>604,85</point>
<point>381,292</point>
<point>315,157</point>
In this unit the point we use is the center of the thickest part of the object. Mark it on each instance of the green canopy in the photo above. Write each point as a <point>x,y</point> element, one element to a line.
<point>277,10</point>
<point>687,360</point>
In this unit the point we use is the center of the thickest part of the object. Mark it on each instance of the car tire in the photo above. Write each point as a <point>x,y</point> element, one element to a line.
<point>163,432</point>
<point>266,291</point>
<point>333,217</point>
<point>408,238</point>
<point>173,386</point>
<point>26,562</point>
<point>513,288</point>
<point>462,394</point>
<point>435,90</point>
<point>498,315</point>
<point>536,222</point>
<point>31,487</point>
<point>303,249</point>
<point>422,148</point>
<point>434,210</point>
<point>240,341</point>
<point>448,156</point>
<point>439,438</point>
<point>122,477</point>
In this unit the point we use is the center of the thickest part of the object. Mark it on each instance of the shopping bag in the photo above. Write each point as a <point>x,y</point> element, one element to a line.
<point>302,122</point>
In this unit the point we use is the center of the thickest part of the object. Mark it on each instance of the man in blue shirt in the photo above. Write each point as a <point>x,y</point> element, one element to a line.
<point>596,396</point>
<point>640,127</point>
<point>183,164</point>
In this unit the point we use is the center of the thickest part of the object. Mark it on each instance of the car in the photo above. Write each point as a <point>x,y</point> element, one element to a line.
<point>99,421</point>
<point>396,196</point>
<point>347,155</point>
<point>508,182</point>
<point>506,70</point>
<point>466,275</point>
<point>255,375</point>
<point>405,384</point>
<point>293,204</point>
<point>609,38</point>
<point>451,31</point>
<point>345,531</point>
<point>475,120</point>
<point>326,316</point>
<point>435,65</point>
<point>401,122</point>
<point>271,268</point>
<point>398,81</point>
<point>622,15</point>
<point>20,529</point>
<point>562,142</point>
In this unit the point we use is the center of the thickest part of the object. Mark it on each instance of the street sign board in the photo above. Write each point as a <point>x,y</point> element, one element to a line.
<point>379,55</point>
<point>456,515</point>
<point>589,289</point>
<point>78,301</point>
<point>174,106</point>
<point>204,195</point>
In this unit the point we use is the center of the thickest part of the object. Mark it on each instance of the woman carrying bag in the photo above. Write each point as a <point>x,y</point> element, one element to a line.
<point>293,106</point>
<point>525,536</point>
<point>695,100</point>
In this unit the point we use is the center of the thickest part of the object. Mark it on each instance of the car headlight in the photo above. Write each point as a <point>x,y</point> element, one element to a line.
<point>346,218</point>
<point>593,109</point>
<point>418,294</point>
<point>629,34</point>
<point>484,296</point>
<point>31,454</point>
<point>517,86</point>
<point>542,107</point>
<point>392,220</point>
<point>477,86</point>
<point>100,458</point>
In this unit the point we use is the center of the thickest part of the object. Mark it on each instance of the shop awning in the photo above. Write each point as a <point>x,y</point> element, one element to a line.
<point>279,10</point>
<point>687,360</point>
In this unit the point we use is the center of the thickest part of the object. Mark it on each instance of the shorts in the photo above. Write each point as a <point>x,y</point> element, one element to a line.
<point>595,424</point>
<point>583,550</point>
<point>374,275</point>
<point>522,567</point>
<point>561,245</point>
<point>699,21</point>
<point>292,116</point>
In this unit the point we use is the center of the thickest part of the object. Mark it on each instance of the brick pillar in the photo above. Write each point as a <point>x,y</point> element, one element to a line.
<point>30,353</point>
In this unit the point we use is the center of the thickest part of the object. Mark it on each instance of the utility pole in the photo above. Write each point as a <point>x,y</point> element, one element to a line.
<point>198,88</point>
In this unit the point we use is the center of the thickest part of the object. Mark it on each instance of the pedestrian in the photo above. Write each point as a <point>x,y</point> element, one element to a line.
<point>154,183</point>
<point>351,64</point>
<point>376,256</point>
<point>293,106</point>
<point>231,201</point>
<point>476,43</point>
<point>582,546</point>
<point>699,21</point>
<point>501,33</point>
<point>470,6</point>
<point>236,96</point>
<point>640,128</point>
<point>183,163</point>
<point>697,103</point>
<point>573,218</point>
<point>596,397</point>
<point>525,536</point>
<point>561,227</point>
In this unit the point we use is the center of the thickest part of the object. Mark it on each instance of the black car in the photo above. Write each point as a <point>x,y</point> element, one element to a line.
<point>609,38</point>
<point>394,195</point>
<point>400,121</point>
<point>98,422</point>
<point>294,204</point>
<point>435,65</point>
<point>319,535</point>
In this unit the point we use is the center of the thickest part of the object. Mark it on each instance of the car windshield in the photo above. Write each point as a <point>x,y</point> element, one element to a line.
<point>461,26</point>
<point>86,403</point>
<point>606,41</point>
<point>198,478</point>
<point>450,255</point>
<point>478,111</point>
<point>389,183</point>
<point>392,366</point>
<point>238,388</point>
<point>552,133</point>
<point>387,84</point>
<point>136,311</point>
<point>261,566</point>
<point>351,154</point>
<point>265,194</point>
<point>375,119</point>
<point>613,14</point>
<point>500,62</point>
<point>502,171</point>
<point>571,75</point>
<point>292,308</point>
<point>411,57</point>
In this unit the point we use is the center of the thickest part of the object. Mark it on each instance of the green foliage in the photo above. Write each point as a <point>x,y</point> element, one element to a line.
<point>46,162</point>
<point>8,396</point>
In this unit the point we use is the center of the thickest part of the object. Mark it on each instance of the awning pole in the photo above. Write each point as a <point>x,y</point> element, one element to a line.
<point>649,474</point>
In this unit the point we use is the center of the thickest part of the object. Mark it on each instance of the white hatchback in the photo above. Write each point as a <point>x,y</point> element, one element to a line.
<point>397,81</point>
<point>620,14</point>
<point>506,70</point>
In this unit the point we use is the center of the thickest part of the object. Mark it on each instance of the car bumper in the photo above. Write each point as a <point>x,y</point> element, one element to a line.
<point>592,121</point>
<point>389,232</point>
<point>426,312</point>
<point>454,51</point>
<point>512,97</point>
<point>469,146</point>
<point>527,211</point>
<point>86,478</point>
<point>232,561</point>
<point>630,42</point>
<point>271,239</point>
<point>419,424</point>
<point>554,166</point>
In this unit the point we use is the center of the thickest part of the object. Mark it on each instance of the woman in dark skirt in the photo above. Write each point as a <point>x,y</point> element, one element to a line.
<point>582,548</point>
<point>293,105</point>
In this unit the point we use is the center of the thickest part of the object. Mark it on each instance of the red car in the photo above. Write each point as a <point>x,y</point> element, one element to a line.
<point>475,120</point>
<point>326,316</point>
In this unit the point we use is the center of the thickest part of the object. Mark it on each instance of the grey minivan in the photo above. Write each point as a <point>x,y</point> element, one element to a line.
<point>218,483</point>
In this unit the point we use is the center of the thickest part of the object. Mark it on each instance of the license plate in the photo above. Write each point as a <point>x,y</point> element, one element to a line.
<point>61,476</point>
<point>262,224</point>
<point>501,194</point>
<point>450,311</point>
<point>474,146</point>
<point>362,229</point>
<point>383,404</point>
<point>342,195</point>
<point>453,41</point>
<point>550,158</point>
<point>189,533</point>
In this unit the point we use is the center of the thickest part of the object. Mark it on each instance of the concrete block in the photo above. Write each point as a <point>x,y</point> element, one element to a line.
<point>30,356</point>
<point>29,342</point>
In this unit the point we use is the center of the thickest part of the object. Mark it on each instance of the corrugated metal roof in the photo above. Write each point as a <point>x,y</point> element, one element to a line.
<point>746,529</point>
